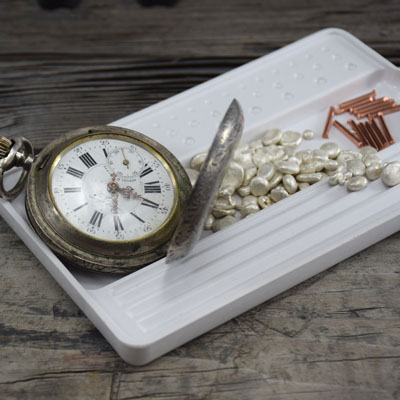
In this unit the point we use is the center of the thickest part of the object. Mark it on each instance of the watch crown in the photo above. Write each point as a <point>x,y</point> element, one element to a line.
<point>5,146</point>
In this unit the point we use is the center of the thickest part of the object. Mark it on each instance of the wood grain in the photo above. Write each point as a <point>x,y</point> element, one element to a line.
<point>336,336</point>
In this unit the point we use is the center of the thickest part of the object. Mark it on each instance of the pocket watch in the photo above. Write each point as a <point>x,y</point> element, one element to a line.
<point>109,199</point>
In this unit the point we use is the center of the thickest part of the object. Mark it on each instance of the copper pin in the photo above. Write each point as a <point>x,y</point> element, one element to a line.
<point>328,122</point>
<point>374,111</point>
<point>385,129</point>
<point>377,130</point>
<point>361,103</point>
<point>347,133</point>
<point>372,104</point>
<point>390,110</point>
<point>374,136</point>
<point>357,132</point>
<point>365,134</point>
<point>369,96</point>
<point>375,105</point>
<point>339,111</point>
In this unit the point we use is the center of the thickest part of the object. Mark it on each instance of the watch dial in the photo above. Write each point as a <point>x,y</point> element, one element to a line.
<point>112,188</point>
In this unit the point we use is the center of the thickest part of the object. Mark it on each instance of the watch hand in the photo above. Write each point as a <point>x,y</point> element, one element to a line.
<point>126,161</point>
<point>128,192</point>
<point>115,202</point>
<point>113,188</point>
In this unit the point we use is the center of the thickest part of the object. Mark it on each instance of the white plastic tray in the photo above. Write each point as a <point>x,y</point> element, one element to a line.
<point>160,307</point>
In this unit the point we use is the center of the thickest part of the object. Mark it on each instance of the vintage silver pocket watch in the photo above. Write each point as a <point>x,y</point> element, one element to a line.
<point>109,199</point>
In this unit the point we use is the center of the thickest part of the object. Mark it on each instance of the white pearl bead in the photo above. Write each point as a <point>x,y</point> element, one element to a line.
<point>309,178</point>
<point>307,169</point>
<point>279,193</point>
<point>391,174</point>
<point>275,180</point>
<point>249,205</point>
<point>332,149</point>
<point>308,134</point>
<point>255,144</point>
<point>224,203</point>
<point>275,153</point>
<point>288,167</point>
<point>261,157</point>
<point>291,138</point>
<point>244,191</point>
<point>198,161</point>
<point>289,183</point>
<point>223,223</point>
<point>356,167</point>
<point>367,150</point>
<point>249,173</point>
<point>373,171</point>
<point>370,159</point>
<point>272,136</point>
<point>209,222</point>
<point>267,171</point>
<point>337,179</point>
<point>264,201</point>
<point>357,183</point>
<point>258,186</point>
<point>245,159</point>
<point>303,185</point>
<point>218,213</point>
<point>233,176</point>
<point>331,165</point>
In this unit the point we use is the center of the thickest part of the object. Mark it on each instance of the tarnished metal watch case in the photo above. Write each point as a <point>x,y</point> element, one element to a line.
<point>87,251</point>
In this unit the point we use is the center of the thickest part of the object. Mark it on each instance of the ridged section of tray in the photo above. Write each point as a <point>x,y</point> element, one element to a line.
<point>278,240</point>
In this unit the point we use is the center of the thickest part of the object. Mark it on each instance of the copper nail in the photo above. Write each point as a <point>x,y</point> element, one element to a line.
<point>339,111</point>
<point>357,132</point>
<point>347,133</point>
<point>374,136</point>
<point>348,103</point>
<point>328,122</point>
<point>378,132</point>
<point>374,112</point>
<point>366,135</point>
<point>373,104</point>
<point>373,108</point>
<point>391,110</point>
<point>354,107</point>
<point>385,129</point>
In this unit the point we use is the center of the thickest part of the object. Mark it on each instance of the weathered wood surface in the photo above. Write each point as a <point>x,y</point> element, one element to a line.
<point>336,336</point>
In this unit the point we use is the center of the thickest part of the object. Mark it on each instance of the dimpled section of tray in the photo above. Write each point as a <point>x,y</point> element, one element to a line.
<point>266,88</point>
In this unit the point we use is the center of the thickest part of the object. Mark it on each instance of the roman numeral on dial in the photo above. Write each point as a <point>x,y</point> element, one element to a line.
<point>81,206</point>
<point>75,172</point>
<point>72,190</point>
<point>146,171</point>
<point>96,219</point>
<point>118,224</point>
<point>88,160</point>
<point>149,203</point>
<point>137,217</point>
<point>152,187</point>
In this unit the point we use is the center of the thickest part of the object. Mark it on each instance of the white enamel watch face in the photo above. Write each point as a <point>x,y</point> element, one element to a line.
<point>112,188</point>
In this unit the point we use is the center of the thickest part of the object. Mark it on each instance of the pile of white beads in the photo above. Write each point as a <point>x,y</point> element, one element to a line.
<point>270,169</point>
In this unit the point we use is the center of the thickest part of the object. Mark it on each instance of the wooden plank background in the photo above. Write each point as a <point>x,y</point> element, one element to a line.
<point>88,62</point>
